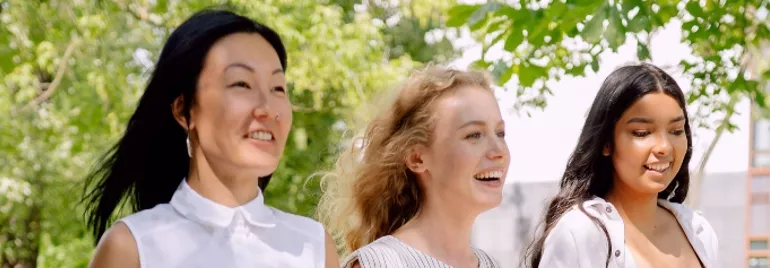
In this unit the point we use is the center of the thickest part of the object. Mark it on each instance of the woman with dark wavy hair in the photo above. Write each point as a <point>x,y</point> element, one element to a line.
<point>197,154</point>
<point>619,204</point>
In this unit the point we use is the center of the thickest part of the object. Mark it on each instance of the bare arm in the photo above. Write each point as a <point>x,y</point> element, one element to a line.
<point>332,259</point>
<point>117,248</point>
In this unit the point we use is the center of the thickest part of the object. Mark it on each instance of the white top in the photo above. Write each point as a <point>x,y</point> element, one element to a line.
<point>192,231</point>
<point>390,252</point>
<point>577,242</point>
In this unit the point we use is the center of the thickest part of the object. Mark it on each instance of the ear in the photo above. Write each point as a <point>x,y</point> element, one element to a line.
<point>606,151</point>
<point>414,160</point>
<point>177,109</point>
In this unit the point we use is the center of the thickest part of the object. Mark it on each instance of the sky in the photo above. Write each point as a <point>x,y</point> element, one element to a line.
<point>541,144</point>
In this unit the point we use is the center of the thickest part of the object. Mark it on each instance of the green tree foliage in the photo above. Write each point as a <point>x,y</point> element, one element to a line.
<point>565,37</point>
<point>71,73</point>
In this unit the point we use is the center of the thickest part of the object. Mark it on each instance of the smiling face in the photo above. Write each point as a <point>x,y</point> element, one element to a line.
<point>649,144</point>
<point>467,160</point>
<point>241,115</point>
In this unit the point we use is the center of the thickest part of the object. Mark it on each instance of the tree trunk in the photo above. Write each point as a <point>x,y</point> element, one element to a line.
<point>696,180</point>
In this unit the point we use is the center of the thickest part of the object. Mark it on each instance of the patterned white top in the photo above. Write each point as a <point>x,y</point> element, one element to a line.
<point>390,252</point>
<point>192,231</point>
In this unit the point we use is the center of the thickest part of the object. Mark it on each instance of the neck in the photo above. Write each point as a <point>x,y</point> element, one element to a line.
<point>637,211</point>
<point>442,232</point>
<point>218,186</point>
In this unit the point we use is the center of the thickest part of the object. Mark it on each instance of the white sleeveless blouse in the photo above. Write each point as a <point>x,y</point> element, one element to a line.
<point>192,231</point>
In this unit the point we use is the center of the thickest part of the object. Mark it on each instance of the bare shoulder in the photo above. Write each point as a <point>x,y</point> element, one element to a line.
<point>332,259</point>
<point>117,248</point>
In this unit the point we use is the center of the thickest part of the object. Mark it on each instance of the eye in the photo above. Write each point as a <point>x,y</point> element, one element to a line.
<point>474,135</point>
<point>640,133</point>
<point>240,84</point>
<point>279,89</point>
<point>501,134</point>
<point>678,132</point>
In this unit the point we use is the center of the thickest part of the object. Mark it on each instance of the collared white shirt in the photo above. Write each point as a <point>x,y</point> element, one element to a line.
<point>192,231</point>
<point>577,242</point>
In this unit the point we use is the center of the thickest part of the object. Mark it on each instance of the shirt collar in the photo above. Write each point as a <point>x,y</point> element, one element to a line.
<point>686,218</point>
<point>195,207</point>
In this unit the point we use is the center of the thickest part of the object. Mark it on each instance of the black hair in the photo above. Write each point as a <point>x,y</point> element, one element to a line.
<point>589,173</point>
<point>149,162</point>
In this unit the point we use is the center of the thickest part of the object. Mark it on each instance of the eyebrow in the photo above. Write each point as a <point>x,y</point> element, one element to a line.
<point>476,122</point>
<point>649,121</point>
<point>250,69</point>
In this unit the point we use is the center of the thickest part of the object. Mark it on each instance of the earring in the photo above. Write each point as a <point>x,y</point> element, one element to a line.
<point>189,148</point>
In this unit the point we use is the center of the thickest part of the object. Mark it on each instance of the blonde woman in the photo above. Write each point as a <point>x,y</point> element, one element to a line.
<point>429,165</point>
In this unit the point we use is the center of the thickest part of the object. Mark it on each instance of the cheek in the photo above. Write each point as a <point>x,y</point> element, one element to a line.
<point>287,117</point>
<point>460,161</point>
<point>628,154</point>
<point>680,148</point>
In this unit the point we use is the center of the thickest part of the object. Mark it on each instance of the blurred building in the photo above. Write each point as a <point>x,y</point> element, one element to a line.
<point>758,212</point>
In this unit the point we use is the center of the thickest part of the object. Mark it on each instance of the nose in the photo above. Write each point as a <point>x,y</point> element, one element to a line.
<point>262,109</point>
<point>662,146</point>
<point>498,150</point>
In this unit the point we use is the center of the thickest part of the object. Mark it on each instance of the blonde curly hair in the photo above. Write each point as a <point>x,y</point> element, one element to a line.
<point>371,193</point>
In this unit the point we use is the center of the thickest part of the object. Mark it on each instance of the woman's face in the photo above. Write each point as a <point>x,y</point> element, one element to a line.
<point>241,115</point>
<point>650,145</point>
<point>467,161</point>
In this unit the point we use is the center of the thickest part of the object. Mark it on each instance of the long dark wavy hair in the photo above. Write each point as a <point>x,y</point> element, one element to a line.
<point>589,173</point>
<point>147,164</point>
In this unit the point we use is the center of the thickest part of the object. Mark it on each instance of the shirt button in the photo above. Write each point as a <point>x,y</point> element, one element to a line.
<point>609,210</point>
<point>617,253</point>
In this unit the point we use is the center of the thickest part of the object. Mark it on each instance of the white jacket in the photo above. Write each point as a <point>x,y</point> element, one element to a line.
<point>576,241</point>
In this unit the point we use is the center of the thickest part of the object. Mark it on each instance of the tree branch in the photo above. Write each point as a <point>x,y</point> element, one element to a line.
<point>140,15</point>
<point>60,70</point>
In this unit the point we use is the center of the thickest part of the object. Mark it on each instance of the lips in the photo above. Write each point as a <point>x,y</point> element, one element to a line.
<point>491,175</point>
<point>658,167</point>
<point>261,135</point>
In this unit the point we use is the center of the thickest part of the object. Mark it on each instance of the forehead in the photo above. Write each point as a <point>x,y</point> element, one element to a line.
<point>249,48</point>
<point>467,103</point>
<point>654,105</point>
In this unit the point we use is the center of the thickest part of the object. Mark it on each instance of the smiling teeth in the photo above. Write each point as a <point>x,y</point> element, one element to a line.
<point>489,175</point>
<point>261,135</point>
<point>658,167</point>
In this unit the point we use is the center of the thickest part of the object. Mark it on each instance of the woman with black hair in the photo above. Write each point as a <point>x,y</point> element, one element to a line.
<point>619,203</point>
<point>197,154</point>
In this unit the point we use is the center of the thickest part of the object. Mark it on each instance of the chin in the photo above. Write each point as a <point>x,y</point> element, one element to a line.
<point>488,201</point>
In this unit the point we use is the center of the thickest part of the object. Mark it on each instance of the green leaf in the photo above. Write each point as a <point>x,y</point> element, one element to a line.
<point>506,75</point>
<point>499,68</point>
<point>642,51</point>
<point>593,30</point>
<point>529,73</point>
<point>694,8</point>
<point>639,23</point>
<point>494,26</point>
<point>616,32</point>
<point>514,39</point>
<point>460,14</point>
<point>480,64</point>
<point>665,13</point>
<point>595,65</point>
<point>479,16</point>
<point>556,10</point>
<point>579,70</point>
<point>537,33</point>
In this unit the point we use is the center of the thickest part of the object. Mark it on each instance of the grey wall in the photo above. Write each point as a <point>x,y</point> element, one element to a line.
<point>506,231</point>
